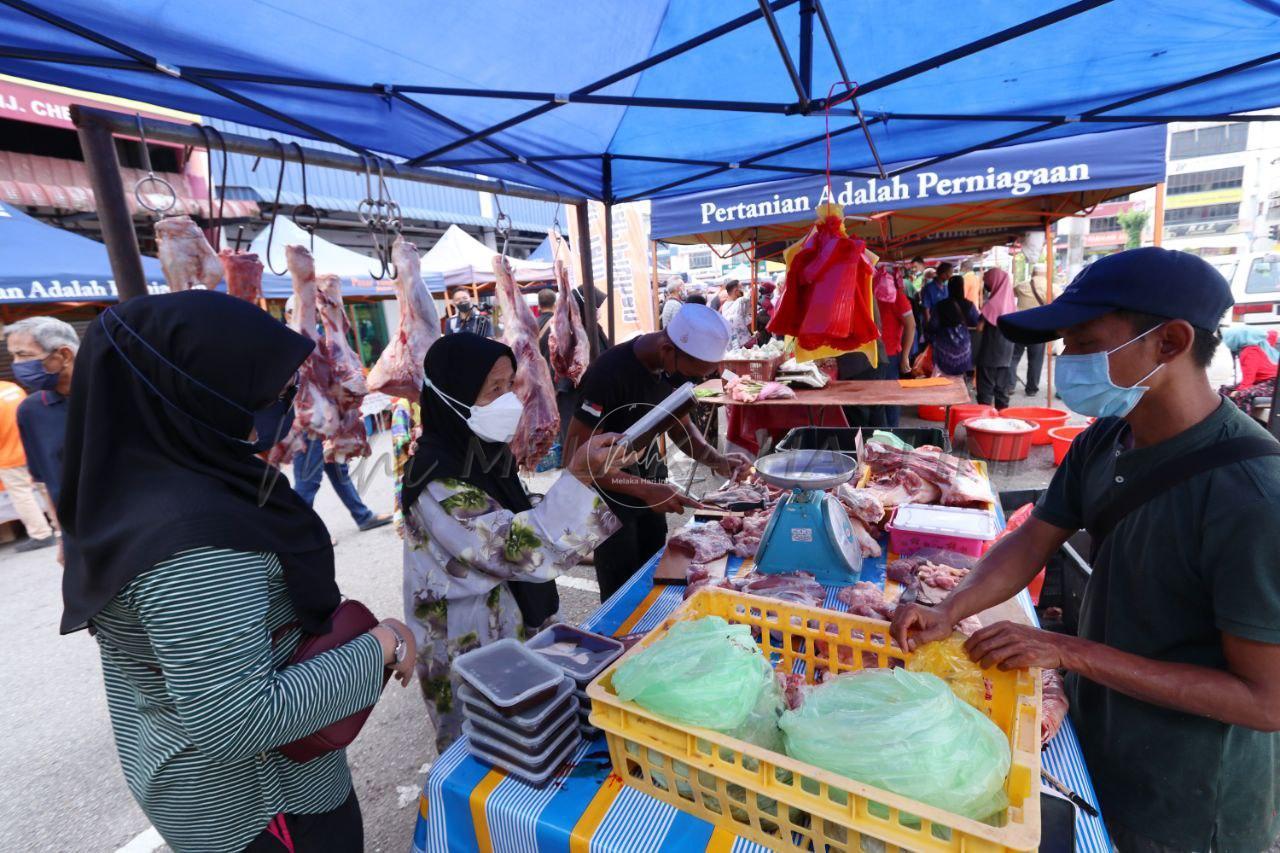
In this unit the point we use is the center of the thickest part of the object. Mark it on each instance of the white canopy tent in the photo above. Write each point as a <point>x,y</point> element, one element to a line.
<point>331,259</point>
<point>463,260</point>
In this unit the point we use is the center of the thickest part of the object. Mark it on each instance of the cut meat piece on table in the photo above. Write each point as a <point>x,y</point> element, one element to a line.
<point>956,479</point>
<point>185,255</point>
<point>539,426</point>
<point>792,686</point>
<point>747,540</point>
<point>243,272</point>
<point>746,390</point>
<point>738,494</point>
<point>702,542</point>
<point>316,413</point>
<point>862,503</point>
<point>866,542</point>
<point>349,441</point>
<point>399,368</point>
<point>866,599</point>
<point>940,576</point>
<point>900,486</point>
<point>570,348</point>
<point>795,587</point>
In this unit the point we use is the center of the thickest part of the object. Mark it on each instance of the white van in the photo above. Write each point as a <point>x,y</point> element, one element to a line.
<point>1255,284</point>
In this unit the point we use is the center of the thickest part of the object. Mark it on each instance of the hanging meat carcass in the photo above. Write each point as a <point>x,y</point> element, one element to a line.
<point>539,426</point>
<point>350,440</point>
<point>399,368</point>
<point>243,272</point>
<point>186,256</point>
<point>316,413</point>
<point>570,348</point>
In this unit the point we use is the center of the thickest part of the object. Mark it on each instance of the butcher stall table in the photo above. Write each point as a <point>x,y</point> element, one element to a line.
<point>466,805</point>
<point>823,406</point>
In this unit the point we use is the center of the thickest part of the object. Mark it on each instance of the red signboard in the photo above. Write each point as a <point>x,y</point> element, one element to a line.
<point>41,106</point>
<point>1105,238</point>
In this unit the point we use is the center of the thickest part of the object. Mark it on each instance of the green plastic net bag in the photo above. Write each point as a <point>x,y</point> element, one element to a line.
<point>905,732</point>
<point>704,672</point>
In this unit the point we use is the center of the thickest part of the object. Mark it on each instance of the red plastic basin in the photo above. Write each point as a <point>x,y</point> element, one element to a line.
<point>999,445</point>
<point>1043,417</point>
<point>931,413</point>
<point>1062,437</point>
<point>963,412</point>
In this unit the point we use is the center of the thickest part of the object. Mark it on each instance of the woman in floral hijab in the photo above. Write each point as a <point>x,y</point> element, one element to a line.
<point>470,530</point>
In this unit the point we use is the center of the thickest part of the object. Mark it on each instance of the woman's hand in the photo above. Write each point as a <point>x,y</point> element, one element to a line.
<point>387,633</point>
<point>601,456</point>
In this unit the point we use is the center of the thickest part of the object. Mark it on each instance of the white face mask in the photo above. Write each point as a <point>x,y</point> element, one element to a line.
<point>494,421</point>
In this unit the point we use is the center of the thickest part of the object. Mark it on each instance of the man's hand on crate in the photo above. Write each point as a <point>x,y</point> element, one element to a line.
<point>1008,645</point>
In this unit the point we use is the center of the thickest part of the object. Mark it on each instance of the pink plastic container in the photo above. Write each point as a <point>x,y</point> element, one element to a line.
<point>919,526</point>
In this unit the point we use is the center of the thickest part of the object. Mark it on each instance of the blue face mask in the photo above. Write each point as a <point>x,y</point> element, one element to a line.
<point>33,375</point>
<point>1084,382</point>
<point>270,424</point>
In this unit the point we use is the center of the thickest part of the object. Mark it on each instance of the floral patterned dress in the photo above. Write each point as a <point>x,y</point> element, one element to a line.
<point>461,549</point>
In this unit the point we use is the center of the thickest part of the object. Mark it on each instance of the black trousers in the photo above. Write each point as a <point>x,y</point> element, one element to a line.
<point>337,831</point>
<point>993,386</point>
<point>622,554</point>
<point>1035,365</point>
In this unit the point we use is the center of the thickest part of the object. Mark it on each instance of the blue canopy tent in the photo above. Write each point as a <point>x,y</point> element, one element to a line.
<point>42,263</point>
<point>965,204</point>
<point>616,100</point>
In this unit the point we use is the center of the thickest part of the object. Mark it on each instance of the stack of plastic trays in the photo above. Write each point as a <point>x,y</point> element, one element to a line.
<point>520,711</point>
<point>582,655</point>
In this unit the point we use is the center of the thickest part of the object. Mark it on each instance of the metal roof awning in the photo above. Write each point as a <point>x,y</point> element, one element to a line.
<point>52,183</point>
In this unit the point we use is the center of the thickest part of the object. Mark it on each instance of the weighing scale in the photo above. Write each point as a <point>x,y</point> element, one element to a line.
<point>809,529</point>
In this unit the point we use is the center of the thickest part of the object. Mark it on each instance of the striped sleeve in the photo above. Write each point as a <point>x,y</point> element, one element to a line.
<point>205,615</point>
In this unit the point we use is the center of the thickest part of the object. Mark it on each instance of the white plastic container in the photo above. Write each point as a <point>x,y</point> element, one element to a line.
<point>534,769</point>
<point>952,528</point>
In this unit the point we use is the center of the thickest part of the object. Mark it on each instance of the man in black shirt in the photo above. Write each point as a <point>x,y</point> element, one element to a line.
<point>467,318</point>
<point>619,387</point>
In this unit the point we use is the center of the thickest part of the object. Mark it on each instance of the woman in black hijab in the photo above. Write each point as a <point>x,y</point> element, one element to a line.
<point>949,325</point>
<point>471,531</point>
<point>199,570</point>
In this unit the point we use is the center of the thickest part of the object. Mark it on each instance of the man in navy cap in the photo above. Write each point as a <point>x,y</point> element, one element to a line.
<point>1175,674</point>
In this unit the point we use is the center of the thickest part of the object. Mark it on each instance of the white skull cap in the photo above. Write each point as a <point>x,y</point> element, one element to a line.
<point>699,332</point>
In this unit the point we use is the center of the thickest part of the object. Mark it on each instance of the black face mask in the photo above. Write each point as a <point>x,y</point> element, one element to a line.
<point>464,307</point>
<point>676,378</point>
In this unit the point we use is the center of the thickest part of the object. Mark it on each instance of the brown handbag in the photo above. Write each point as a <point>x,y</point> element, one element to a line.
<point>350,620</point>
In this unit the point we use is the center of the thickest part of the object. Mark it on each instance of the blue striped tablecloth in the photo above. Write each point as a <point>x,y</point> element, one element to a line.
<point>466,805</point>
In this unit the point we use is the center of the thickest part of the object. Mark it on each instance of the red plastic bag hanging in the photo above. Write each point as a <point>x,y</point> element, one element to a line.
<point>827,300</point>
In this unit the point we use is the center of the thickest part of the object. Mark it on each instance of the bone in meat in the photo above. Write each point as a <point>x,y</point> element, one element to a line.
<point>866,542</point>
<point>185,255</point>
<point>1053,705</point>
<point>316,412</point>
<point>349,441</point>
<point>957,479</point>
<point>399,368</point>
<point>861,503</point>
<point>570,349</point>
<point>243,272</point>
<point>539,426</point>
<point>702,542</point>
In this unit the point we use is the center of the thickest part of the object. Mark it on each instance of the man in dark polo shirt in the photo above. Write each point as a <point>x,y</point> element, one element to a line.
<point>1175,674</point>
<point>619,387</point>
<point>44,354</point>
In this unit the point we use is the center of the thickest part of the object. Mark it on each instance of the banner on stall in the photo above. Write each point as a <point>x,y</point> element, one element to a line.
<point>1121,158</point>
<point>633,296</point>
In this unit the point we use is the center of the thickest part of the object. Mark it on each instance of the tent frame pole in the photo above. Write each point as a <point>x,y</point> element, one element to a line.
<point>592,311</point>
<point>99,147</point>
<point>806,47</point>
<point>606,170</point>
<point>1048,291</point>
<point>802,97</point>
<point>844,76</point>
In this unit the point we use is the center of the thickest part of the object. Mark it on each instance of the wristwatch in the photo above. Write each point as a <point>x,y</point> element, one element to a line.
<point>401,645</point>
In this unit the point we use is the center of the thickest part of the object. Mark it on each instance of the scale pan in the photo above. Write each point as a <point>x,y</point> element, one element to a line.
<point>806,469</point>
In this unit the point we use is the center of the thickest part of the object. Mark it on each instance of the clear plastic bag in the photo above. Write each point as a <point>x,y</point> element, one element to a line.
<point>905,732</point>
<point>948,660</point>
<point>704,672</point>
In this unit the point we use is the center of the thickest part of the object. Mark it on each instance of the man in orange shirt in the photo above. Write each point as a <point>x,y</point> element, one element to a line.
<point>14,474</point>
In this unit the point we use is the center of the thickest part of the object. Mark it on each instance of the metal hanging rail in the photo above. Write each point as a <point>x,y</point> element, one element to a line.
<point>189,134</point>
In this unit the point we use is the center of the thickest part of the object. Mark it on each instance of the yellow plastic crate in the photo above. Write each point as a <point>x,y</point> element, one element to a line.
<point>786,804</point>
